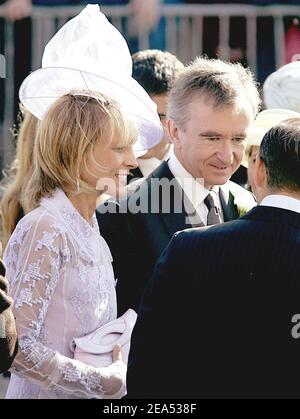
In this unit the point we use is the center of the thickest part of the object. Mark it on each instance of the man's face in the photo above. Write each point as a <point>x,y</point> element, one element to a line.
<point>211,144</point>
<point>161,102</point>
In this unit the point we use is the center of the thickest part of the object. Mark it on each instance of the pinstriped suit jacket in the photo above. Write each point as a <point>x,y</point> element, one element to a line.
<point>216,317</point>
<point>137,240</point>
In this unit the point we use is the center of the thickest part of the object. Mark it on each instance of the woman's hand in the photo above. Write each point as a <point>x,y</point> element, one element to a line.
<point>114,376</point>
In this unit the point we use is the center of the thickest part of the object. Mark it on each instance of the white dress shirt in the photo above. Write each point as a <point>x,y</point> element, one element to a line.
<point>194,190</point>
<point>148,166</point>
<point>281,201</point>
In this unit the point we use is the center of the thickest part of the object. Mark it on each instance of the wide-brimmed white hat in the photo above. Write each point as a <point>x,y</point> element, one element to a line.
<point>264,121</point>
<point>282,88</point>
<point>88,53</point>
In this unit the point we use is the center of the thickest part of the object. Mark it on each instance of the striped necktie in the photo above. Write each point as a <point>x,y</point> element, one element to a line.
<point>213,216</point>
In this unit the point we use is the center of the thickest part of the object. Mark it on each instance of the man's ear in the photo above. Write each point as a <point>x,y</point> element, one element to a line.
<point>260,175</point>
<point>173,133</point>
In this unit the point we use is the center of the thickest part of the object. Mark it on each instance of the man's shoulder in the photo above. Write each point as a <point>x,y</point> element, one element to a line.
<point>209,233</point>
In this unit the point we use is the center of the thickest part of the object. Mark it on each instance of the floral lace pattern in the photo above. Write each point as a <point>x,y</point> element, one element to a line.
<point>62,282</point>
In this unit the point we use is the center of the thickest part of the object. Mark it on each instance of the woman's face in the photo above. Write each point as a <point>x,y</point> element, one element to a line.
<point>108,168</point>
<point>251,163</point>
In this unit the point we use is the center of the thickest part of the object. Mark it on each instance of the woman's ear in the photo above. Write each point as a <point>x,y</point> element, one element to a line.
<point>172,130</point>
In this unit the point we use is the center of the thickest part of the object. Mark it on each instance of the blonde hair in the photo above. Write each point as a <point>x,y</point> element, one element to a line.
<point>20,171</point>
<point>65,141</point>
<point>225,83</point>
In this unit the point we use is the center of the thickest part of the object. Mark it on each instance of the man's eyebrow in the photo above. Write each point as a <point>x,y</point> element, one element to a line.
<point>218,134</point>
<point>210,134</point>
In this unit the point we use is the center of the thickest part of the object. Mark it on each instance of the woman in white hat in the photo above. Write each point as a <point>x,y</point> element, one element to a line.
<point>58,264</point>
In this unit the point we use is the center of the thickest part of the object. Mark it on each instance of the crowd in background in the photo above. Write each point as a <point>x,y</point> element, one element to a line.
<point>62,259</point>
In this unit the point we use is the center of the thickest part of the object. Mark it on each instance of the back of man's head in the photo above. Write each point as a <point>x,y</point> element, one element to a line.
<point>156,70</point>
<point>280,152</point>
<point>222,82</point>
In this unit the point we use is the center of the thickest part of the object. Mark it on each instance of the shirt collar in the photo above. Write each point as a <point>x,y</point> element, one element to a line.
<point>281,201</point>
<point>195,191</point>
<point>148,166</point>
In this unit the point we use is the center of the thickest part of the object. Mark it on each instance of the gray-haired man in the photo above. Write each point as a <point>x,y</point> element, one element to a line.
<point>210,108</point>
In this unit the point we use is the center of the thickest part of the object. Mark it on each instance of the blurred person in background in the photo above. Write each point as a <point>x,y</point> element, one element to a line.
<point>20,9</point>
<point>18,12</point>
<point>265,35</point>
<point>8,332</point>
<point>145,15</point>
<point>237,34</point>
<point>266,62</point>
<point>12,202</point>
<point>156,71</point>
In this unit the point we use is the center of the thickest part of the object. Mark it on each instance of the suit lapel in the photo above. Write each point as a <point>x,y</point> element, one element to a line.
<point>173,221</point>
<point>230,210</point>
<point>176,221</point>
<point>135,174</point>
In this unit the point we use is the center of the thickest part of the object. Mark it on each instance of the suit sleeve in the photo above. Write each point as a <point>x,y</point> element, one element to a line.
<point>122,232</point>
<point>155,330</point>
<point>8,334</point>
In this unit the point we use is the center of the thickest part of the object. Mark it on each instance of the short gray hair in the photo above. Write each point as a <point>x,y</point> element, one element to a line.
<point>221,81</point>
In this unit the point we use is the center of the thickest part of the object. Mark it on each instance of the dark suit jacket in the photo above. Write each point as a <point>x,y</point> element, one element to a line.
<point>216,317</point>
<point>137,240</point>
<point>8,334</point>
<point>135,174</point>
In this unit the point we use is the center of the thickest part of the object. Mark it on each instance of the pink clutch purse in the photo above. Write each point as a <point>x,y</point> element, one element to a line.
<point>96,348</point>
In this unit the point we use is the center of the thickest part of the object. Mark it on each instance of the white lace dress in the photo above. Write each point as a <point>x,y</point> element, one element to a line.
<point>62,282</point>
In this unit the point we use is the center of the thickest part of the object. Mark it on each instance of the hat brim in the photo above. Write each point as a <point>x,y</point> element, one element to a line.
<point>254,139</point>
<point>245,163</point>
<point>44,86</point>
<point>264,121</point>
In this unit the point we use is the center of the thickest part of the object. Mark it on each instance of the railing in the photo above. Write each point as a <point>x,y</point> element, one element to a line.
<point>183,37</point>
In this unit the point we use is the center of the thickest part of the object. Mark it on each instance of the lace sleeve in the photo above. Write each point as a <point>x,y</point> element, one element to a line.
<point>37,258</point>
